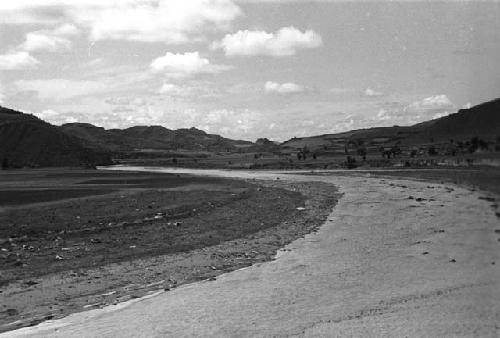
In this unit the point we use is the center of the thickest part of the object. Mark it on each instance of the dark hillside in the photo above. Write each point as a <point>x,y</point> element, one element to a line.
<point>151,137</point>
<point>481,121</point>
<point>26,141</point>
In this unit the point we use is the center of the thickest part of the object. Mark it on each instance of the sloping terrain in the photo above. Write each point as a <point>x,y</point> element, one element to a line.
<point>481,121</point>
<point>26,141</point>
<point>151,137</point>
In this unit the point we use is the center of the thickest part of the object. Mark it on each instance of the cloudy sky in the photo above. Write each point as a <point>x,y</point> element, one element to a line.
<point>247,69</point>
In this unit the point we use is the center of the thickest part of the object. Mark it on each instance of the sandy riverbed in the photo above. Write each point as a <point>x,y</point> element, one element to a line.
<point>384,264</point>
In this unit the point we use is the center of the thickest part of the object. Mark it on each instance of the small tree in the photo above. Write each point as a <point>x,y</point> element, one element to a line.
<point>350,162</point>
<point>362,152</point>
<point>432,151</point>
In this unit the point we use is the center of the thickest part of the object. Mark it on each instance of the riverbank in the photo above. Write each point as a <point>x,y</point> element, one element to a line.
<point>383,264</point>
<point>214,226</point>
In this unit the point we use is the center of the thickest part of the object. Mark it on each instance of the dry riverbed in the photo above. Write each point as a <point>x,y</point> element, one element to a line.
<point>87,240</point>
<point>395,258</point>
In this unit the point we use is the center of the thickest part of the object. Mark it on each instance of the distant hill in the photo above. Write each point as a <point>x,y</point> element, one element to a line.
<point>481,121</point>
<point>151,137</point>
<point>26,141</point>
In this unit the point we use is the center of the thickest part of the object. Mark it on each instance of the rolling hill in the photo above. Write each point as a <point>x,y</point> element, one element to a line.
<point>481,121</point>
<point>26,141</point>
<point>151,138</point>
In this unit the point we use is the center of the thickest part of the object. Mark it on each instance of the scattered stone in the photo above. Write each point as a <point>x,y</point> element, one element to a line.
<point>59,257</point>
<point>301,208</point>
<point>12,312</point>
<point>212,279</point>
<point>411,197</point>
<point>487,198</point>
<point>425,253</point>
<point>453,260</point>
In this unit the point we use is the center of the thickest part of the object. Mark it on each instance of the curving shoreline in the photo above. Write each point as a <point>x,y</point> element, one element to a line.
<point>383,264</point>
<point>120,282</point>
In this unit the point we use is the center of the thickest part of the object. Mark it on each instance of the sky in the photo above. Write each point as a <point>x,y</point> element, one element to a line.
<point>250,68</point>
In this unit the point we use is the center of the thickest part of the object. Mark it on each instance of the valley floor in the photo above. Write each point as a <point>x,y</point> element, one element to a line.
<point>396,257</point>
<point>74,240</point>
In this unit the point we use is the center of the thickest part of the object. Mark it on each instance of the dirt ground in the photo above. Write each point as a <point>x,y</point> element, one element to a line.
<point>481,178</point>
<point>73,240</point>
<point>395,258</point>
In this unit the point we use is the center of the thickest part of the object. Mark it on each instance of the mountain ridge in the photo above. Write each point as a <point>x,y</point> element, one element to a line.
<point>27,141</point>
<point>152,137</point>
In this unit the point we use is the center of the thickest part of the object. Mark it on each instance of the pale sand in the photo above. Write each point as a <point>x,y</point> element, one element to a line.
<point>363,274</point>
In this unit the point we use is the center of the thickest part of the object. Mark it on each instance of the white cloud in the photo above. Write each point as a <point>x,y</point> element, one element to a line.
<point>187,63</point>
<point>383,115</point>
<point>47,114</point>
<point>432,103</point>
<point>169,21</point>
<point>283,88</point>
<point>60,89</point>
<point>50,40</point>
<point>40,41</point>
<point>370,92</point>
<point>230,123</point>
<point>184,65</point>
<point>17,60</point>
<point>284,42</point>
<point>392,113</point>
<point>174,90</point>
<point>57,118</point>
